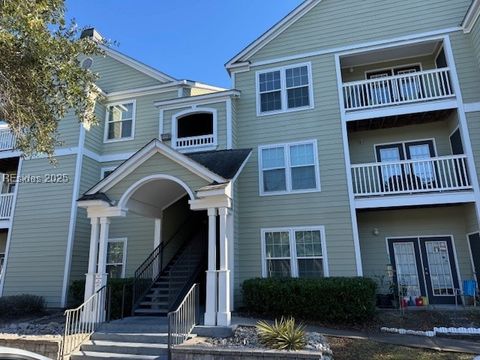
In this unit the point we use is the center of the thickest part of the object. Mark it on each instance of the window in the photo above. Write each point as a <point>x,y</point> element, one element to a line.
<point>107,171</point>
<point>195,130</point>
<point>295,252</point>
<point>120,121</point>
<point>116,257</point>
<point>284,89</point>
<point>289,168</point>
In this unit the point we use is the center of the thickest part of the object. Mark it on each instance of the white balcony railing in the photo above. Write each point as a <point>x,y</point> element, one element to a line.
<point>6,201</point>
<point>446,173</point>
<point>7,140</point>
<point>399,89</point>
<point>189,142</point>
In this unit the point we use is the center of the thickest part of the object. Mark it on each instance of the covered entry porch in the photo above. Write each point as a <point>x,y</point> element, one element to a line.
<point>195,193</point>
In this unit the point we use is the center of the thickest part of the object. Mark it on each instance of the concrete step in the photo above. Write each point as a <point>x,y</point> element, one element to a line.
<point>154,338</point>
<point>135,328</point>
<point>154,303</point>
<point>148,311</point>
<point>93,355</point>
<point>132,348</point>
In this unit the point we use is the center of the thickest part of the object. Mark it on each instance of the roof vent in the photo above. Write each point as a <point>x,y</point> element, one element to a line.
<point>91,33</point>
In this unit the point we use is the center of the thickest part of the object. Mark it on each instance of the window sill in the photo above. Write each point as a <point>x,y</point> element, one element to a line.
<point>277,112</point>
<point>293,192</point>
<point>107,141</point>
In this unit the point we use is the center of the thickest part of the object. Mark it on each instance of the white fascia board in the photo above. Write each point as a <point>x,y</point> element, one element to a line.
<point>137,65</point>
<point>414,200</point>
<point>147,90</point>
<point>201,85</point>
<point>471,17</point>
<point>217,96</point>
<point>143,155</point>
<point>273,32</point>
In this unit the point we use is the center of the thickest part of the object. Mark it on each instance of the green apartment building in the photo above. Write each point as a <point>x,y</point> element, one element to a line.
<point>348,145</point>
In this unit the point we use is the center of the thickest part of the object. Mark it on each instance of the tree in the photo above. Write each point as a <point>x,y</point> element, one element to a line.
<point>41,77</point>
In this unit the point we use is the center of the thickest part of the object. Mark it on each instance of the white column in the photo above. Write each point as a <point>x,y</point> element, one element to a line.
<point>231,251</point>
<point>92,258</point>
<point>101,279</point>
<point>211,298</point>
<point>224,314</point>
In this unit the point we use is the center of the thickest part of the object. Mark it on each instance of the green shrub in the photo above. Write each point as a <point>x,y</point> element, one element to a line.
<point>334,299</point>
<point>21,305</point>
<point>77,291</point>
<point>282,335</point>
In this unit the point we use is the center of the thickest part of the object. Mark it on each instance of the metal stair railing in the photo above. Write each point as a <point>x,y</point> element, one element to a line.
<point>149,271</point>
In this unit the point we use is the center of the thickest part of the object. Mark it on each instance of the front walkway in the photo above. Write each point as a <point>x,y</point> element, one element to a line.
<point>434,343</point>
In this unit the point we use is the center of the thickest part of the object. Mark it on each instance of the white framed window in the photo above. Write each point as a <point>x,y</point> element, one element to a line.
<point>105,171</point>
<point>195,129</point>
<point>289,168</point>
<point>116,257</point>
<point>294,252</point>
<point>120,121</point>
<point>284,89</point>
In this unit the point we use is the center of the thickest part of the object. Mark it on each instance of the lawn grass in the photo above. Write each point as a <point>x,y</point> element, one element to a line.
<point>353,349</point>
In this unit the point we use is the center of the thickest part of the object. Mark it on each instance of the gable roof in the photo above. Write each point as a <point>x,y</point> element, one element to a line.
<point>153,147</point>
<point>272,33</point>
<point>137,65</point>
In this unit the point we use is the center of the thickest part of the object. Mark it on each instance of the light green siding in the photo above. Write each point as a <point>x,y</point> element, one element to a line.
<point>94,133</point>
<point>220,107</point>
<point>362,143</point>
<point>359,72</point>
<point>330,207</point>
<point>475,41</point>
<point>3,241</point>
<point>157,164</point>
<point>412,222</point>
<point>332,24</point>
<point>467,67</point>
<point>40,232</point>
<point>68,131</point>
<point>473,122</point>
<point>81,246</point>
<point>116,76</point>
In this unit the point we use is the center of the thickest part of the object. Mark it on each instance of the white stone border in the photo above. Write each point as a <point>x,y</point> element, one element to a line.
<point>430,333</point>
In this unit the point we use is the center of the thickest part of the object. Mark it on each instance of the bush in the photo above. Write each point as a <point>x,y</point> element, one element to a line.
<point>21,305</point>
<point>283,335</point>
<point>77,291</point>
<point>334,299</point>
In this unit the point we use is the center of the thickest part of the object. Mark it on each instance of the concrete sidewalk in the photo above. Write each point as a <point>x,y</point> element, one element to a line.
<point>434,343</point>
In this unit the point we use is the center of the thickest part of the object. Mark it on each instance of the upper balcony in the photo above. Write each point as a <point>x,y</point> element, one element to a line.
<point>7,139</point>
<point>396,80</point>
<point>409,160</point>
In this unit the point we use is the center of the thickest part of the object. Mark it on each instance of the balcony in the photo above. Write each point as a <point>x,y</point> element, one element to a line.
<point>189,143</point>
<point>7,140</point>
<point>432,175</point>
<point>6,202</point>
<point>398,90</point>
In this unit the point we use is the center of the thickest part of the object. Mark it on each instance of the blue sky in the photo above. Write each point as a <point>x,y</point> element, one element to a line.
<point>188,39</point>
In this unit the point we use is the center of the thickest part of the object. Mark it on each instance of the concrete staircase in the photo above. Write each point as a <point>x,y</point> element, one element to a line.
<point>136,338</point>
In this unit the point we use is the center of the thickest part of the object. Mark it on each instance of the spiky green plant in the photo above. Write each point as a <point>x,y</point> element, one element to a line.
<point>282,335</point>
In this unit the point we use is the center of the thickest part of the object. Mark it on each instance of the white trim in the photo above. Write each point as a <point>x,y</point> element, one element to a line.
<point>419,37</point>
<point>471,17</point>
<point>229,124</point>
<point>143,155</point>
<point>283,89</point>
<point>415,200</point>
<point>348,171</point>
<point>197,99</point>
<point>134,110</point>
<point>273,32</point>
<point>157,233</point>
<point>393,68</point>
<point>474,270</point>
<point>193,111</point>
<point>123,240</point>
<point>9,234</point>
<point>137,65</point>
<point>103,170</point>
<point>73,216</point>
<point>472,107</point>
<point>293,258</point>
<point>288,167</point>
<point>122,203</point>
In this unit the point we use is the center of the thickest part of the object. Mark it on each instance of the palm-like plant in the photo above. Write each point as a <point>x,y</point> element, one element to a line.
<point>282,335</point>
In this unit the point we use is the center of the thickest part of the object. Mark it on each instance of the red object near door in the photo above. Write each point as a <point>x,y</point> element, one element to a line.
<point>419,301</point>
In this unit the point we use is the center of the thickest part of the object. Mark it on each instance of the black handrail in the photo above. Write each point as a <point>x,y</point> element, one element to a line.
<point>149,271</point>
